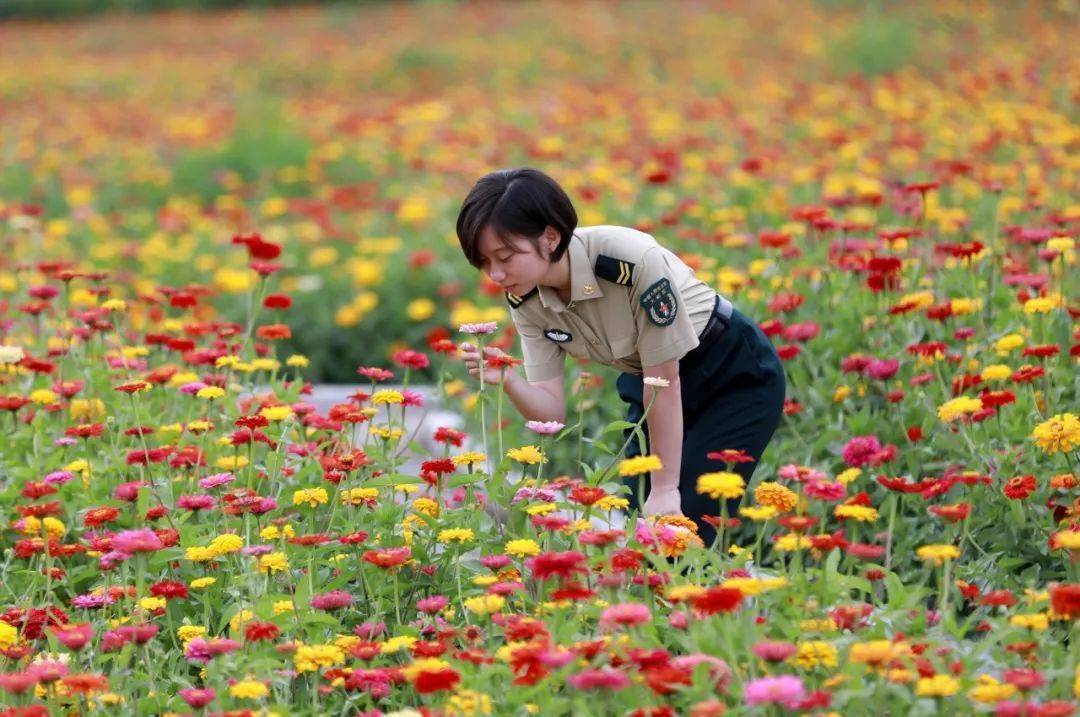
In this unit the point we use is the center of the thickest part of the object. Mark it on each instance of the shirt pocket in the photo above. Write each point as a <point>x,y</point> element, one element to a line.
<point>623,345</point>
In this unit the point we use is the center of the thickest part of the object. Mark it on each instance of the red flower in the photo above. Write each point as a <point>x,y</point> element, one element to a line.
<point>257,248</point>
<point>407,358</point>
<point>387,557</point>
<point>951,513</point>
<point>564,564</point>
<point>256,631</point>
<point>998,598</point>
<point>435,681</point>
<point>277,301</point>
<point>1020,487</point>
<point>1065,599</point>
<point>584,495</point>
<point>718,599</point>
<point>730,455</point>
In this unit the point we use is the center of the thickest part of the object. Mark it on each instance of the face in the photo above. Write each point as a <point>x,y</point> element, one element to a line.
<point>516,268</point>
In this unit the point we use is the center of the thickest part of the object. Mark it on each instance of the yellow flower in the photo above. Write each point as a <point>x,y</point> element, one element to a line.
<point>758,513</point>
<point>152,603</point>
<point>225,544</point>
<point>310,496</point>
<point>1060,433</point>
<point>940,685</point>
<point>273,532</point>
<point>841,393</point>
<point>86,409</point>
<point>359,496</point>
<point>814,653</point>
<point>8,635</point>
<point>876,652</point>
<point>791,541</point>
<point>1039,305</point>
<point>957,407</point>
<point>861,513</point>
<point>469,458</point>
<point>283,606</point>
<point>231,463</point>
<point>522,548</point>
<point>938,554</point>
<point>309,658</point>
<point>485,604</point>
<point>460,535</point>
<point>190,632</point>
<point>387,396</point>
<point>468,703</point>
<point>397,644</point>
<point>1036,621</point>
<point>426,506</point>
<point>276,413</point>
<point>682,593</point>
<point>773,494</point>
<point>849,476</point>
<point>248,689</point>
<point>420,309</point>
<point>199,554</point>
<point>424,664</point>
<point>722,484</point>
<point>996,372</point>
<point>611,502</point>
<point>1008,343</point>
<point>639,465</point>
<point>297,361</point>
<point>200,583</point>
<point>210,393</point>
<point>43,396</point>
<point>273,563</point>
<point>989,690</point>
<point>526,454</point>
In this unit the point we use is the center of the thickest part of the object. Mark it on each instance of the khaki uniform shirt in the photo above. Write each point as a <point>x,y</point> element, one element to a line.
<point>633,304</point>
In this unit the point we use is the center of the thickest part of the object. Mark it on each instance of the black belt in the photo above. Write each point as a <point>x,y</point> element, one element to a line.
<point>719,319</point>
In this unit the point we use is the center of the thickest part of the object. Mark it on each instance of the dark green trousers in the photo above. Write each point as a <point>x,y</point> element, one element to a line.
<point>733,397</point>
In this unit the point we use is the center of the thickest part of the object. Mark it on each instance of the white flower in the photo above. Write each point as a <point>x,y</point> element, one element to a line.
<point>656,382</point>
<point>544,428</point>
<point>11,354</point>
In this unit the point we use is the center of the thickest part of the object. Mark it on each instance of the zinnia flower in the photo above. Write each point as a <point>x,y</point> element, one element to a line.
<point>784,690</point>
<point>1060,433</point>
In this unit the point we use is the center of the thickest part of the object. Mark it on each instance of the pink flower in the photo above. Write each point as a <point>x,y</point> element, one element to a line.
<point>826,490</point>
<point>59,477</point>
<point>882,369</point>
<point>192,388</point>
<point>629,613</point>
<point>195,502</point>
<point>545,428</point>
<point>784,690</point>
<point>773,651</point>
<point>140,540</point>
<point>333,600</point>
<point>218,479</point>
<point>433,604</point>
<point>719,671</point>
<point>603,678</point>
<point>486,327</point>
<point>197,698</point>
<point>865,551</point>
<point>863,450</point>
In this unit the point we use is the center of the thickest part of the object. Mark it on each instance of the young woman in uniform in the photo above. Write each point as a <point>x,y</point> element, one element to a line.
<point>615,296</point>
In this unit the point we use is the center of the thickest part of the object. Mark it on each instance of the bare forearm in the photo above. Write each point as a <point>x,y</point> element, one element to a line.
<point>665,421</point>
<point>532,402</point>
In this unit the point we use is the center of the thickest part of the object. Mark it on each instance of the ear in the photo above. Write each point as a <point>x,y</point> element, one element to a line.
<point>551,237</point>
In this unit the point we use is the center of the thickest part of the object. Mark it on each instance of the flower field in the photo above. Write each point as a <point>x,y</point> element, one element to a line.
<point>203,214</point>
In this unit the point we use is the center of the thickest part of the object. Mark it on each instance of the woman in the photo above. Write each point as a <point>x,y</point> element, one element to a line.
<point>615,296</point>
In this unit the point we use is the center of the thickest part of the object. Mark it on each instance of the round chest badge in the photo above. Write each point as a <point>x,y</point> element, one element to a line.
<point>659,303</point>
<point>558,335</point>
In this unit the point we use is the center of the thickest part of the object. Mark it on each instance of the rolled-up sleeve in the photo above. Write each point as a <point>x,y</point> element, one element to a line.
<point>544,359</point>
<point>664,328</point>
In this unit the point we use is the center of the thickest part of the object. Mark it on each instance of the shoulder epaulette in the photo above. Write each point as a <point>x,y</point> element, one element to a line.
<point>515,301</point>
<point>614,270</point>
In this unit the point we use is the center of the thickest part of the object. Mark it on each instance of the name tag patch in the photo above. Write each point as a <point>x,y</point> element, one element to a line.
<point>558,335</point>
<point>659,303</point>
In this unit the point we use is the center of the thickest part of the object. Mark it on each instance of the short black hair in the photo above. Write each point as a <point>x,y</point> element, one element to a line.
<point>522,201</point>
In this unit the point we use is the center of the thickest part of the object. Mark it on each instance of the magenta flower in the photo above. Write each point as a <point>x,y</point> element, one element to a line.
<point>197,698</point>
<point>59,477</point>
<point>784,690</point>
<point>333,600</point>
<point>604,678</point>
<point>826,490</point>
<point>774,651</point>
<point>433,604</point>
<point>195,502</point>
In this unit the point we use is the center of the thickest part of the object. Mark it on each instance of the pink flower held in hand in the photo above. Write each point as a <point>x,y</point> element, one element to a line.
<point>485,327</point>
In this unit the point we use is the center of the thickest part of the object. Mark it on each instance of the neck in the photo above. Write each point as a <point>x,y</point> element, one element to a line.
<point>558,275</point>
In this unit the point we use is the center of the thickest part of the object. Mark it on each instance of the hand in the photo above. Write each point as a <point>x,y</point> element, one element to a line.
<point>663,501</point>
<point>471,357</point>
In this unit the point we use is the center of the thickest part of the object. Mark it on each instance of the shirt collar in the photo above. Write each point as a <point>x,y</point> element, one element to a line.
<point>583,283</point>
